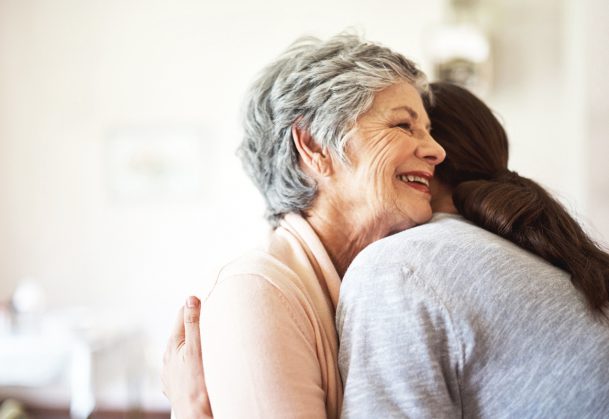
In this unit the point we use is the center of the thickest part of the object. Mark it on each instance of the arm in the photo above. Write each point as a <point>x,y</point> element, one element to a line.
<point>182,373</point>
<point>259,353</point>
<point>399,356</point>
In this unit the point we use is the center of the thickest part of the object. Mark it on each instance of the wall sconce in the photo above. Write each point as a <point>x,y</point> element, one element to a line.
<point>459,50</point>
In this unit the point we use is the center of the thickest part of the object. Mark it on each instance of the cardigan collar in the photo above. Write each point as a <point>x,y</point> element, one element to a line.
<point>298,226</point>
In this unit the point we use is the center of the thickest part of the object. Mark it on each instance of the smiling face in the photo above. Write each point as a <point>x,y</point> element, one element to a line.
<point>385,185</point>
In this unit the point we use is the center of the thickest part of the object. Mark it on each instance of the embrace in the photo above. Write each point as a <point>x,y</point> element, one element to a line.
<point>466,290</point>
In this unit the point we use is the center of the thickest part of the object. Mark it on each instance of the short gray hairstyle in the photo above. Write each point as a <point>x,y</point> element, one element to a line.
<point>324,86</point>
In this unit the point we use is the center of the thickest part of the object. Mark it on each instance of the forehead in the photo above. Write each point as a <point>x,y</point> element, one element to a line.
<point>399,98</point>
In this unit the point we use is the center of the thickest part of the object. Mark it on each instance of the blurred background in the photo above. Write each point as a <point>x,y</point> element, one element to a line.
<point>120,192</point>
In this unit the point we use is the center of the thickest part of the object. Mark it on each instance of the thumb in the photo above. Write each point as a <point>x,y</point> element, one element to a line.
<point>192,313</point>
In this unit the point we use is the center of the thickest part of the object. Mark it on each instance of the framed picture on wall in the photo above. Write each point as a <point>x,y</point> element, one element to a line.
<point>155,164</point>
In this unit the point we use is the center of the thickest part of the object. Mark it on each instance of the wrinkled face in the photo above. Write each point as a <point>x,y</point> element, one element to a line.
<point>385,184</point>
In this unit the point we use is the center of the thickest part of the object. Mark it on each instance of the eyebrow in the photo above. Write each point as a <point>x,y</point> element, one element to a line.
<point>413,114</point>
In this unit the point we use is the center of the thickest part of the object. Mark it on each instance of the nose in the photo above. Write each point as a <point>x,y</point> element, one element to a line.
<point>431,151</point>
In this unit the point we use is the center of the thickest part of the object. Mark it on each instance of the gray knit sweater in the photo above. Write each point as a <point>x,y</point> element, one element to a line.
<point>447,320</point>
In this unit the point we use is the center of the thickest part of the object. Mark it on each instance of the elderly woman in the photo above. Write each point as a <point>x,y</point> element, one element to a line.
<point>337,141</point>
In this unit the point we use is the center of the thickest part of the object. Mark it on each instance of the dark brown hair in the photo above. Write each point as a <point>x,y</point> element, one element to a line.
<point>505,203</point>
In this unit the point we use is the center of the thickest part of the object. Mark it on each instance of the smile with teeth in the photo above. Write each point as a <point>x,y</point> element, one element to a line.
<point>414,179</point>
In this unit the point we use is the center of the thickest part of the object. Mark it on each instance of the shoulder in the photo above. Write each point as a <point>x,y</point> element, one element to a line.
<point>452,260</point>
<point>259,264</point>
<point>418,245</point>
<point>447,244</point>
<point>387,278</point>
<point>280,261</point>
<point>258,286</point>
<point>255,301</point>
<point>255,275</point>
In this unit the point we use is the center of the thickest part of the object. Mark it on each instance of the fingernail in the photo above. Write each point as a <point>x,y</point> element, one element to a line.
<point>192,302</point>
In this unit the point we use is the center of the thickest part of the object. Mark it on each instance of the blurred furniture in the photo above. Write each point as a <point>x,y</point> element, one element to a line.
<point>62,355</point>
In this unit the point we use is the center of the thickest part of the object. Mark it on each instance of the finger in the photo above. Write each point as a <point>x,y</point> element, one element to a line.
<point>178,334</point>
<point>192,314</point>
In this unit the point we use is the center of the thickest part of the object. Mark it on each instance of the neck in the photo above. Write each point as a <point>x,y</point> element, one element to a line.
<point>341,236</point>
<point>442,199</point>
<point>444,205</point>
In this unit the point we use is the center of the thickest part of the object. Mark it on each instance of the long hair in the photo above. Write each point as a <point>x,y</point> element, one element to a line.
<point>505,203</point>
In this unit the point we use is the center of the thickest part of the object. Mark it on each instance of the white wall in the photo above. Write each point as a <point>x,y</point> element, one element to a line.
<point>548,90</point>
<point>553,93</point>
<point>595,51</point>
<point>71,71</point>
<point>533,91</point>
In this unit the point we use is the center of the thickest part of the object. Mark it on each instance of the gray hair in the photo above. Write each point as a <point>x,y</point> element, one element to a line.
<point>323,86</point>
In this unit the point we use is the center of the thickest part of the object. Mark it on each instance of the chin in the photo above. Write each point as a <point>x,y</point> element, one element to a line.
<point>416,218</point>
<point>404,224</point>
<point>425,216</point>
<point>406,217</point>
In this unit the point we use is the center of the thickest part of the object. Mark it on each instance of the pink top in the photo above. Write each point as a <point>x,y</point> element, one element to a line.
<point>269,339</point>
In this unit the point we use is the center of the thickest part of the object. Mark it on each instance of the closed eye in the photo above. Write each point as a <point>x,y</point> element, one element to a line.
<point>405,127</point>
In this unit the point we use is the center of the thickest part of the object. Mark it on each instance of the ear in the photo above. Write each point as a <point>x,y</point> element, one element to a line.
<point>313,157</point>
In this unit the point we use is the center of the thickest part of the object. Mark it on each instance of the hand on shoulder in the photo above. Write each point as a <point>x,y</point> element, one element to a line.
<point>182,374</point>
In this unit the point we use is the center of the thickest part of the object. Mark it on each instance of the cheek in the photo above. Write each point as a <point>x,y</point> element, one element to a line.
<point>378,178</point>
<point>385,166</point>
<point>376,166</point>
<point>384,158</point>
<point>383,190</point>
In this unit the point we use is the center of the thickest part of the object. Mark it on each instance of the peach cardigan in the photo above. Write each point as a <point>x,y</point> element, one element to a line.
<point>269,338</point>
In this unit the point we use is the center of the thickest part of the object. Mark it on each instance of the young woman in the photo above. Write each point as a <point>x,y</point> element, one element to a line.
<point>496,308</point>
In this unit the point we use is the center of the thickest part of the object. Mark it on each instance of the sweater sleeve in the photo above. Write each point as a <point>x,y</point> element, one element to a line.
<point>259,353</point>
<point>399,355</point>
